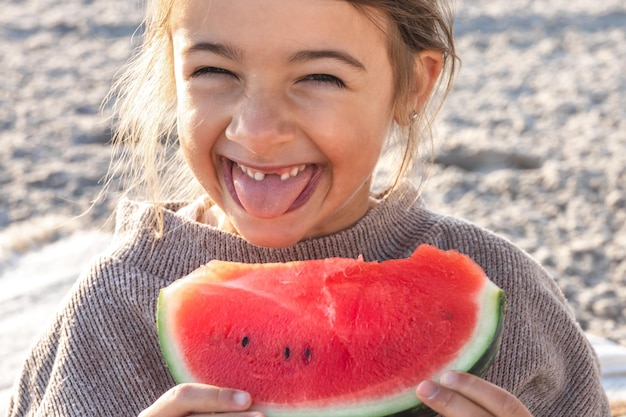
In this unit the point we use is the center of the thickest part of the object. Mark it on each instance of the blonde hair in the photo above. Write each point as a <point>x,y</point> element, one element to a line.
<point>146,152</point>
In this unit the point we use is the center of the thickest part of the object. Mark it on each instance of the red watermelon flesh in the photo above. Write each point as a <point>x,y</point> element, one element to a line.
<point>334,336</point>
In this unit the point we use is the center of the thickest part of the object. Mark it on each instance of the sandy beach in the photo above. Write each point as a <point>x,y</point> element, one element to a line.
<point>530,144</point>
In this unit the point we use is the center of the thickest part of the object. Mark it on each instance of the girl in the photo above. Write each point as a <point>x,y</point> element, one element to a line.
<point>281,111</point>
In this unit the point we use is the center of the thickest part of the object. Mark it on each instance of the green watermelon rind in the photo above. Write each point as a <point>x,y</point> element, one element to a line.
<point>478,355</point>
<point>169,347</point>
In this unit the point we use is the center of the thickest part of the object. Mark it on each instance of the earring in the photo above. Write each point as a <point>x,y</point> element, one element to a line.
<point>413,116</point>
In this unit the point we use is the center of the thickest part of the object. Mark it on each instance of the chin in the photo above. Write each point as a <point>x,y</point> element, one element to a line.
<point>281,232</point>
<point>271,233</point>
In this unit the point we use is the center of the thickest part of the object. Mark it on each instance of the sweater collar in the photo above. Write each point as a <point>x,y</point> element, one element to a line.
<point>390,230</point>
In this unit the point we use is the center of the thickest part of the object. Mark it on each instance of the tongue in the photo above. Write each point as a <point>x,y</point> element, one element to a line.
<point>270,197</point>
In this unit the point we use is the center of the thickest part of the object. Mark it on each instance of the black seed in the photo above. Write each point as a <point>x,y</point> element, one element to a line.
<point>447,315</point>
<point>245,341</point>
<point>307,355</point>
<point>287,353</point>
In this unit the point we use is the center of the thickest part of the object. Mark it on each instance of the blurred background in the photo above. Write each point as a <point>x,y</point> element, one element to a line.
<point>530,144</point>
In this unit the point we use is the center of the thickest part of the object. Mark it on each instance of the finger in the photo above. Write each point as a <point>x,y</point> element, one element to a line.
<point>449,402</point>
<point>186,399</point>
<point>496,400</point>
<point>460,392</point>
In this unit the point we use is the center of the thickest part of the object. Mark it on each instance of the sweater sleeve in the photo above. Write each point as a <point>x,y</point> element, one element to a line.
<point>545,359</point>
<point>101,355</point>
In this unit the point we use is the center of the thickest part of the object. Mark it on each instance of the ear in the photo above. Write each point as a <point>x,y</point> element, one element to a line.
<point>427,67</point>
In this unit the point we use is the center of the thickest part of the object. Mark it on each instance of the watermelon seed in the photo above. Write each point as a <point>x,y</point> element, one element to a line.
<point>287,353</point>
<point>245,341</point>
<point>307,355</point>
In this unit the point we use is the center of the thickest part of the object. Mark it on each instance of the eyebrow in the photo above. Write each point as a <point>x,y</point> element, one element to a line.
<point>217,48</point>
<point>303,56</point>
<point>234,54</point>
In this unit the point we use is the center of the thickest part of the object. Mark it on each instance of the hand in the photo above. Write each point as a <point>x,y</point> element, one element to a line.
<point>463,395</point>
<point>201,400</point>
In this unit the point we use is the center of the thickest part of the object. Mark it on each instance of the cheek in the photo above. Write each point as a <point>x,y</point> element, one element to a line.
<point>365,133</point>
<point>353,143</point>
<point>196,148</point>
<point>188,136</point>
<point>195,141</point>
<point>355,152</point>
<point>196,131</point>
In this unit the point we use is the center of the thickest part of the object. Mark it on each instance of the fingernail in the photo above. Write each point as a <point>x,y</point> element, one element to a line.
<point>427,389</point>
<point>241,398</point>
<point>449,379</point>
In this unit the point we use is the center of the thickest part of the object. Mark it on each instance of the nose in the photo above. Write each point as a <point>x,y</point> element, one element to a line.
<point>260,123</point>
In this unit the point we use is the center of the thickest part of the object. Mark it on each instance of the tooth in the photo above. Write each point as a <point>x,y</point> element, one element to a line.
<point>260,176</point>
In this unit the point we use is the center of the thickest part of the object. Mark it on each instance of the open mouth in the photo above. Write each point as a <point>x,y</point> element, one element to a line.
<point>269,193</point>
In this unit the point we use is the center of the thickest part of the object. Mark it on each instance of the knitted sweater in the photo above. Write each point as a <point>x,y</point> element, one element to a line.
<point>101,357</point>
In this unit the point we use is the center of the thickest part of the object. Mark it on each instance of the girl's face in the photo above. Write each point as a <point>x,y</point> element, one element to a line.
<point>283,108</point>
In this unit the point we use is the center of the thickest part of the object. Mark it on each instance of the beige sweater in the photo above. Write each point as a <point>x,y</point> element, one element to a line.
<point>100,357</point>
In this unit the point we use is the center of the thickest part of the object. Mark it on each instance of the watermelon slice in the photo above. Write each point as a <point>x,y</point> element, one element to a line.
<point>334,337</point>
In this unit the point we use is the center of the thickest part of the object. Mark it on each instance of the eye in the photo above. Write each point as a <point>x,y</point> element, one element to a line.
<point>325,79</point>
<point>211,71</point>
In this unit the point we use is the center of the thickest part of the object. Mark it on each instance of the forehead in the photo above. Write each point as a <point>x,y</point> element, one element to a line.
<point>267,23</point>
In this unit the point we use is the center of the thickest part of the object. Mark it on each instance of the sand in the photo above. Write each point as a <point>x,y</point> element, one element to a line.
<point>531,144</point>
